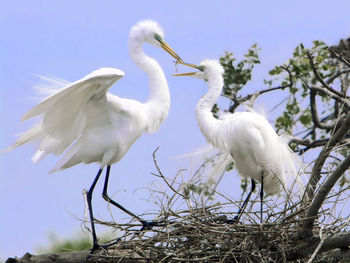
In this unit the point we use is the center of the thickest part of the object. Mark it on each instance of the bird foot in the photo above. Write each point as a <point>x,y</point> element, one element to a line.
<point>149,224</point>
<point>232,221</point>
<point>105,247</point>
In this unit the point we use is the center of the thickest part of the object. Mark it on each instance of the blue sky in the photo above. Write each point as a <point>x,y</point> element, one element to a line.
<point>69,39</point>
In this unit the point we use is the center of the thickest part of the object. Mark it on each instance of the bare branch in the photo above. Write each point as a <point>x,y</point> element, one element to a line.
<point>161,174</point>
<point>314,113</point>
<point>336,241</point>
<point>323,192</point>
<point>340,57</point>
<point>312,144</point>
<point>314,254</point>
<point>319,78</point>
<point>238,101</point>
<point>338,74</point>
<point>74,257</point>
<point>316,171</point>
<point>305,142</point>
<point>332,95</point>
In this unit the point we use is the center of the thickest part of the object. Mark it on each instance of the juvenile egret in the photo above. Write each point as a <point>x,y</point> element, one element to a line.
<point>88,124</point>
<point>258,152</point>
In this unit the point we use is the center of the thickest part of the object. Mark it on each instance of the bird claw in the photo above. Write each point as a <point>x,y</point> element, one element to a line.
<point>105,247</point>
<point>232,221</point>
<point>149,224</point>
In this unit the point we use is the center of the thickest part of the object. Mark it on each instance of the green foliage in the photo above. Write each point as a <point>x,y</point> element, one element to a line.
<point>302,77</point>
<point>296,77</point>
<point>205,189</point>
<point>78,243</point>
<point>238,74</point>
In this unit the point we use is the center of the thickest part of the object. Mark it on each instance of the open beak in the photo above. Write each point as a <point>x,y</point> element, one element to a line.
<point>189,73</point>
<point>168,49</point>
<point>184,74</point>
<point>190,65</point>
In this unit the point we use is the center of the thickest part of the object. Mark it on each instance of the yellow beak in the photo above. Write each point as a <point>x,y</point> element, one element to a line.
<point>189,73</point>
<point>190,65</point>
<point>169,50</point>
<point>184,74</point>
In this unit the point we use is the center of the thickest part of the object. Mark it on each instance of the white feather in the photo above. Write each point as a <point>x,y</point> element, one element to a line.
<point>248,137</point>
<point>88,124</point>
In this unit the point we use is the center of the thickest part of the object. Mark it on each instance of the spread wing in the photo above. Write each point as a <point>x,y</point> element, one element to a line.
<point>64,113</point>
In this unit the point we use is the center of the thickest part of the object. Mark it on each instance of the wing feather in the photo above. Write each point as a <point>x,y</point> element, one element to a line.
<point>64,112</point>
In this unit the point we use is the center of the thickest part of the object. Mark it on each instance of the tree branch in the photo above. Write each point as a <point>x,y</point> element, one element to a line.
<point>307,247</point>
<point>322,193</point>
<point>238,101</point>
<point>338,74</point>
<point>340,57</point>
<point>314,113</point>
<point>314,144</point>
<point>161,174</point>
<point>304,142</point>
<point>332,95</point>
<point>340,255</point>
<point>336,241</point>
<point>316,170</point>
<point>74,257</point>
<point>319,78</point>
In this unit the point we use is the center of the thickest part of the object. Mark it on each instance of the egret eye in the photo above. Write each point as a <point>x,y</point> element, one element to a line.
<point>157,37</point>
<point>201,68</point>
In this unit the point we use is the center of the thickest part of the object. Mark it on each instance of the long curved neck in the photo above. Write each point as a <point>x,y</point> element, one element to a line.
<point>208,124</point>
<point>158,103</point>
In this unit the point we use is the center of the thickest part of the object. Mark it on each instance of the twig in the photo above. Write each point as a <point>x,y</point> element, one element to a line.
<point>338,74</point>
<point>314,113</point>
<point>238,101</point>
<point>340,57</point>
<point>326,92</point>
<point>323,155</point>
<point>161,174</point>
<point>319,78</point>
<point>314,254</point>
<point>323,192</point>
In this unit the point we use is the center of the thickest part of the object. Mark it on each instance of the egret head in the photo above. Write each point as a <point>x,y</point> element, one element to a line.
<point>207,69</point>
<point>151,32</point>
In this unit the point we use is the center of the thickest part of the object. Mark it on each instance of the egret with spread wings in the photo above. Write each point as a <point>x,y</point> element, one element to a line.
<point>86,123</point>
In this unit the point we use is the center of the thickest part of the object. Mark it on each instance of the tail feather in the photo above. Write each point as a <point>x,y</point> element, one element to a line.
<point>293,167</point>
<point>68,159</point>
<point>30,135</point>
<point>38,156</point>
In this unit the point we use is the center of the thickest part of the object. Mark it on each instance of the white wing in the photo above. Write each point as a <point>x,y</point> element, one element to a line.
<point>63,113</point>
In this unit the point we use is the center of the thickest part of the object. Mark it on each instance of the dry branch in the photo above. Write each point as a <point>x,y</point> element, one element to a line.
<point>323,193</point>
<point>316,171</point>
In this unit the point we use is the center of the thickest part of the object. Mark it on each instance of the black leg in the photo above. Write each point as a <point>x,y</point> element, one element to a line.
<point>261,196</point>
<point>240,211</point>
<point>89,199</point>
<point>145,224</point>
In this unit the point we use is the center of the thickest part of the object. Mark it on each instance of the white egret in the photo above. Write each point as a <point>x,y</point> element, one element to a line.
<point>258,152</point>
<point>88,124</point>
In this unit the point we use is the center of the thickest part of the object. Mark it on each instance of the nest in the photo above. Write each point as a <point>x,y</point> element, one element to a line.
<point>206,233</point>
<point>203,235</point>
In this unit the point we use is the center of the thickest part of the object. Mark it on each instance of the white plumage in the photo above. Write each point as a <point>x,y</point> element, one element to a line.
<point>94,124</point>
<point>88,124</point>
<point>258,152</point>
<point>255,148</point>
